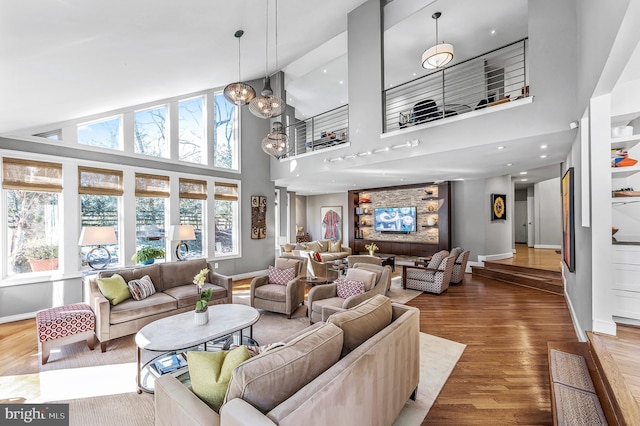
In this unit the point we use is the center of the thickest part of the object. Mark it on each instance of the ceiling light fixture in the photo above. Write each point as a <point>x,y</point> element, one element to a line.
<point>501,147</point>
<point>268,105</point>
<point>523,180</point>
<point>439,55</point>
<point>543,156</point>
<point>543,146</point>
<point>523,173</point>
<point>239,93</point>
<point>275,143</point>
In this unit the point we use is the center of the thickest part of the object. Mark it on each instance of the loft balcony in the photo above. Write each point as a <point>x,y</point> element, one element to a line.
<point>326,130</point>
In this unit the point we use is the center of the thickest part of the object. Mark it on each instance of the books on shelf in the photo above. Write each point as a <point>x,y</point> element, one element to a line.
<point>173,363</point>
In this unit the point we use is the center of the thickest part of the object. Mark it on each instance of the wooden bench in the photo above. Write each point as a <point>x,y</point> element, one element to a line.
<point>580,394</point>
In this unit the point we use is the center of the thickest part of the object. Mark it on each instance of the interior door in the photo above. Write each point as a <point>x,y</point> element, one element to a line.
<point>520,218</point>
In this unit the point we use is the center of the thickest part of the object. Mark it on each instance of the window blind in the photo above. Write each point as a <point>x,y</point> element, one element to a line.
<point>29,175</point>
<point>193,189</point>
<point>99,181</point>
<point>226,191</point>
<point>152,185</point>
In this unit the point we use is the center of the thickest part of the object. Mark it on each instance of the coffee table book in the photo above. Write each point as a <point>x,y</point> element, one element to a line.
<point>174,363</point>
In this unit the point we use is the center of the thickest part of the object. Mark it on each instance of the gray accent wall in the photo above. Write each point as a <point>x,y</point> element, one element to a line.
<point>548,216</point>
<point>467,227</point>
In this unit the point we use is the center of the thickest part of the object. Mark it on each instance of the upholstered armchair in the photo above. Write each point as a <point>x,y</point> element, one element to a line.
<point>432,278</point>
<point>459,267</point>
<point>323,269</point>
<point>327,294</point>
<point>280,298</point>
<point>363,258</point>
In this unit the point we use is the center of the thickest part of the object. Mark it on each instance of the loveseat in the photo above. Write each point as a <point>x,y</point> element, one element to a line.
<point>175,293</point>
<point>328,250</point>
<point>371,355</point>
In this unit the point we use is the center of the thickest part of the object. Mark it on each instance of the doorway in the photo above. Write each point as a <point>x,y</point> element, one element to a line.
<point>520,222</point>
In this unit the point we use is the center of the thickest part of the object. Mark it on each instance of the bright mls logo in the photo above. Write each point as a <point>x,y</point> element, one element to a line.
<point>35,414</point>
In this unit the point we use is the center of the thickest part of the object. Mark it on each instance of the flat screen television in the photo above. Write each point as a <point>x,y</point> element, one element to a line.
<point>395,219</point>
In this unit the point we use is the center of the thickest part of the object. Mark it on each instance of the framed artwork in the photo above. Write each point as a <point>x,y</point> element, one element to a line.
<point>568,226</point>
<point>498,207</point>
<point>331,223</point>
<point>258,217</point>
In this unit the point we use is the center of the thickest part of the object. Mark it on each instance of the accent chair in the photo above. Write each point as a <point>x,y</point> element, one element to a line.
<point>363,258</point>
<point>283,299</point>
<point>459,267</point>
<point>430,279</point>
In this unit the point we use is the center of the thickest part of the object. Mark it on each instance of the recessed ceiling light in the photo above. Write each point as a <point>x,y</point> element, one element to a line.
<point>523,173</point>
<point>341,102</point>
<point>414,74</point>
<point>501,147</point>
<point>401,179</point>
<point>543,146</point>
<point>386,148</point>
<point>324,70</point>
<point>543,156</point>
<point>493,31</point>
<point>391,85</point>
<point>509,164</point>
<point>298,175</point>
<point>341,82</point>
<point>523,180</point>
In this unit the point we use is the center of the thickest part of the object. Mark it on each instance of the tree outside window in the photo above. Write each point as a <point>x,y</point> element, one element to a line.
<point>150,131</point>
<point>150,222</point>
<point>191,213</point>
<point>104,133</point>
<point>100,210</point>
<point>225,140</point>
<point>191,130</point>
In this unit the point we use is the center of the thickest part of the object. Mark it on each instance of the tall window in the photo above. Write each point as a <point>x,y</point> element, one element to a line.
<point>193,194</point>
<point>106,133</point>
<point>32,189</point>
<point>100,191</point>
<point>191,130</point>
<point>226,218</point>
<point>225,138</point>
<point>150,127</point>
<point>151,192</point>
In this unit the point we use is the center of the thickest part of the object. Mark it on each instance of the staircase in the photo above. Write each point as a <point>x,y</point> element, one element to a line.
<point>539,279</point>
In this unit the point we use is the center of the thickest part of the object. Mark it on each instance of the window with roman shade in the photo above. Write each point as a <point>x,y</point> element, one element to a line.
<point>94,181</point>
<point>151,191</point>
<point>193,189</point>
<point>193,194</point>
<point>226,191</point>
<point>152,185</point>
<point>29,175</point>
<point>226,218</point>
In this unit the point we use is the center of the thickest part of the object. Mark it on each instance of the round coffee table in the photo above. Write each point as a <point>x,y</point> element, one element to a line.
<point>314,281</point>
<point>179,332</point>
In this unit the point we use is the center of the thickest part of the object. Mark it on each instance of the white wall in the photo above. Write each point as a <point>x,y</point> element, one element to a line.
<point>314,220</point>
<point>548,214</point>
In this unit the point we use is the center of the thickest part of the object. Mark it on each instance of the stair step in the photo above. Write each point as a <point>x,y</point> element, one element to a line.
<point>526,279</point>
<point>524,269</point>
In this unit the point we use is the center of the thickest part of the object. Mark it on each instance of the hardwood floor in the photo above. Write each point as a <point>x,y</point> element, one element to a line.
<point>501,378</point>
<point>548,259</point>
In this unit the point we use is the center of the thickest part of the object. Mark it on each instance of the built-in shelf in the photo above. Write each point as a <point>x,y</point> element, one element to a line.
<point>624,200</point>
<point>622,172</point>
<point>625,142</point>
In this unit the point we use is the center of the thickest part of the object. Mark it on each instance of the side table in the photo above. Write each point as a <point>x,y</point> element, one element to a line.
<point>314,281</point>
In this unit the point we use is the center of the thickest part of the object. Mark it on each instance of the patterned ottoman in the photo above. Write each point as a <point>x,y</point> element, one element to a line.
<point>63,325</point>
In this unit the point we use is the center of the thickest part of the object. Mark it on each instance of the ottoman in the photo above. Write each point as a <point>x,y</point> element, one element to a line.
<point>62,325</point>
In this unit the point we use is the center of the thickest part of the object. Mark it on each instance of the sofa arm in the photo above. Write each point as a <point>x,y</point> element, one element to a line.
<point>238,412</point>
<point>175,404</point>
<point>329,310</point>
<point>221,280</point>
<point>100,305</point>
<point>348,250</point>
<point>255,283</point>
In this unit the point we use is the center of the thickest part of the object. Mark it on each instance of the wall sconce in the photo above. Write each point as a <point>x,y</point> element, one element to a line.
<point>182,233</point>
<point>97,236</point>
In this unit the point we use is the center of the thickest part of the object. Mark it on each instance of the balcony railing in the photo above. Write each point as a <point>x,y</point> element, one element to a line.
<point>496,77</point>
<point>322,131</point>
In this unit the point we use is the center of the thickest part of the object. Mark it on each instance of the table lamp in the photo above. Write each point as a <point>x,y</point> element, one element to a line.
<point>182,233</point>
<point>97,236</point>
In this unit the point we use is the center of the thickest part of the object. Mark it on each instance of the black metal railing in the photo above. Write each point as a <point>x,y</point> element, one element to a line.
<point>495,77</point>
<point>331,128</point>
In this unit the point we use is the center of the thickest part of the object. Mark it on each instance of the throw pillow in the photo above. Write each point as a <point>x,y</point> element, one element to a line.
<point>210,373</point>
<point>317,257</point>
<point>335,246</point>
<point>287,369</point>
<point>141,288</point>
<point>114,288</point>
<point>363,321</point>
<point>314,246</point>
<point>346,288</point>
<point>281,276</point>
<point>367,277</point>
<point>325,244</point>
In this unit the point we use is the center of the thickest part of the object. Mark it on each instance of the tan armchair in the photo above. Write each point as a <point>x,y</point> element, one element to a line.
<point>434,278</point>
<point>363,258</point>
<point>323,269</point>
<point>283,299</point>
<point>459,267</point>
<point>326,295</point>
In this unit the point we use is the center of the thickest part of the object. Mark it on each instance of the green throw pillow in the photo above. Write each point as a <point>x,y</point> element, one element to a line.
<point>114,288</point>
<point>211,371</point>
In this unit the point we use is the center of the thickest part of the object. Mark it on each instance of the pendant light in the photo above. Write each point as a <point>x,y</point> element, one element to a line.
<point>275,143</point>
<point>239,93</point>
<point>439,55</point>
<point>267,105</point>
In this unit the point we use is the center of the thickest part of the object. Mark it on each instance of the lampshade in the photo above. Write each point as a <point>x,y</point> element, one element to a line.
<point>275,143</point>
<point>440,54</point>
<point>239,93</point>
<point>182,233</point>
<point>97,235</point>
<point>266,105</point>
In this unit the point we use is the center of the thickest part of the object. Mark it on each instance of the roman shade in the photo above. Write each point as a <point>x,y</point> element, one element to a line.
<point>226,191</point>
<point>94,181</point>
<point>29,175</point>
<point>152,185</point>
<point>193,189</point>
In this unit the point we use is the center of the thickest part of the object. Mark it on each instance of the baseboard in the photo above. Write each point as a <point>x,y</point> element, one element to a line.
<point>470,264</point>
<point>499,256</point>
<point>626,321</point>
<point>547,246</point>
<point>18,317</point>
<point>250,274</point>
<point>606,327</point>
<point>582,337</point>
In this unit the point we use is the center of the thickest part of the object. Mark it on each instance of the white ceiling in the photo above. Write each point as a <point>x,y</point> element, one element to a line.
<point>65,59</point>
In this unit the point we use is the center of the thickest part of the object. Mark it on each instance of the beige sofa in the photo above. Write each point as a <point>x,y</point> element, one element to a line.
<point>369,385</point>
<point>175,293</point>
<point>320,246</point>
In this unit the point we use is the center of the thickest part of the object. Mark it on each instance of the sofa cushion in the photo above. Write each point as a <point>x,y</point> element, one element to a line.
<point>377,269</point>
<point>367,277</point>
<point>363,321</point>
<point>114,288</point>
<point>210,373</point>
<point>130,309</point>
<point>314,246</point>
<point>265,381</point>
<point>275,292</point>
<point>324,244</point>
<point>175,274</point>
<point>187,295</point>
<point>136,273</point>
<point>346,288</point>
<point>335,246</point>
<point>141,288</point>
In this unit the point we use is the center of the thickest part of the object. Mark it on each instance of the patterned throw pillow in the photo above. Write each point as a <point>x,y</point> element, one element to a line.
<point>281,276</point>
<point>346,288</point>
<point>317,257</point>
<point>141,288</point>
